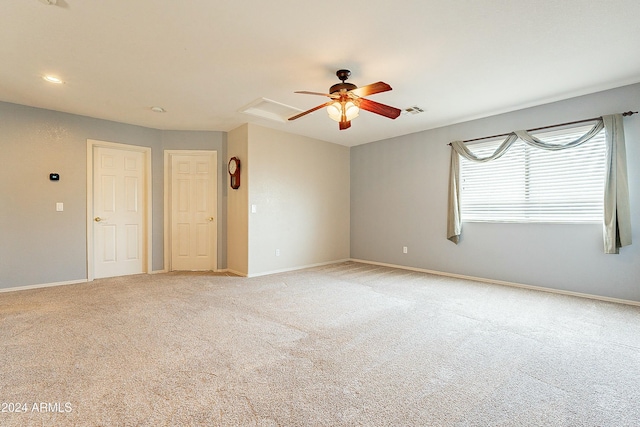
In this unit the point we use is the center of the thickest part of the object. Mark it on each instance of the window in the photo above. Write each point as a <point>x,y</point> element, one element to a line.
<point>529,184</point>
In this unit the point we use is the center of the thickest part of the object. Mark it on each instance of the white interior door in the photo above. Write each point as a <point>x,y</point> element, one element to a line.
<point>193,203</point>
<point>118,211</point>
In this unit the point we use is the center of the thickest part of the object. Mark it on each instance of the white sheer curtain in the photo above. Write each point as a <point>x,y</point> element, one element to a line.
<point>617,215</point>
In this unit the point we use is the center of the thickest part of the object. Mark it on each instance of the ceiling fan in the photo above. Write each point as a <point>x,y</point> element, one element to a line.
<point>348,99</point>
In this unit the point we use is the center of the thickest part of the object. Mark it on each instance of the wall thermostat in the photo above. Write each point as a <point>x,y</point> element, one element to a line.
<point>54,176</point>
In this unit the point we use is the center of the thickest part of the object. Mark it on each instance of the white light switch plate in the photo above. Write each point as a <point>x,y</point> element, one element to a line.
<point>59,207</point>
<point>254,209</point>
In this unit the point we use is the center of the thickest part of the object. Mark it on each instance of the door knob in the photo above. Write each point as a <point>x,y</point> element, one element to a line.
<point>210,218</point>
<point>97,219</point>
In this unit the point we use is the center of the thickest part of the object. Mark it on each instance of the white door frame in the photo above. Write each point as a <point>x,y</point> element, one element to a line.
<point>147,242</point>
<point>167,203</point>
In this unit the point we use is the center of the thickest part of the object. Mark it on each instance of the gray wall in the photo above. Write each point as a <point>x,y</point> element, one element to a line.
<point>399,198</point>
<point>39,245</point>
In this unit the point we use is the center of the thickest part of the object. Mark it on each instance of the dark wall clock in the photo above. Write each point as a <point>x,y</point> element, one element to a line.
<point>234,172</point>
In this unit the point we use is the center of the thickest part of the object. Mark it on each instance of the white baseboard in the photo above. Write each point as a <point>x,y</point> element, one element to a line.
<point>402,267</point>
<point>221,270</point>
<point>237,273</point>
<point>43,285</point>
<point>301,267</point>
<point>503,283</point>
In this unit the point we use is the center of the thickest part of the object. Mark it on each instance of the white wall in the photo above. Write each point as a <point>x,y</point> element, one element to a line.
<point>237,203</point>
<point>300,188</point>
<point>399,198</point>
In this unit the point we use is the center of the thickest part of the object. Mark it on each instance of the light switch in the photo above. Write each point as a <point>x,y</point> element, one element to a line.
<point>59,206</point>
<point>254,209</point>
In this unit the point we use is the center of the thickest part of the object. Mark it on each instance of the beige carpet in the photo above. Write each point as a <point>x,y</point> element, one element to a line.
<point>341,345</point>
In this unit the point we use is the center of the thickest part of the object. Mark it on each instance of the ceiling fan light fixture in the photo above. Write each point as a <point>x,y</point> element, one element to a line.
<point>335,111</point>
<point>352,110</point>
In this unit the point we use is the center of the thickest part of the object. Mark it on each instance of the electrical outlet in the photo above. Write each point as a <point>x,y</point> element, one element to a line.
<point>277,252</point>
<point>405,250</point>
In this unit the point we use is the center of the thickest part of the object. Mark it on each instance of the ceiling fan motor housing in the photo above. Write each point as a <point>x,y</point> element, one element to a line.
<point>342,75</point>
<point>339,86</point>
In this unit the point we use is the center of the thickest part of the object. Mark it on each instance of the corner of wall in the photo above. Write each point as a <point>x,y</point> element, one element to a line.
<point>237,204</point>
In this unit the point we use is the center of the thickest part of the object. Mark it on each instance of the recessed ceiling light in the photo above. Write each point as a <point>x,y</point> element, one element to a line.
<point>52,79</point>
<point>158,110</point>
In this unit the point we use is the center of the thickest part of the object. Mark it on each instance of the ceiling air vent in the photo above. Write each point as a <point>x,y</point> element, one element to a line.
<point>268,109</point>
<point>413,110</point>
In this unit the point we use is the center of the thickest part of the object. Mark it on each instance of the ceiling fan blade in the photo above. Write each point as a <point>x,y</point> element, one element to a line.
<point>304,113</point>
<point>371,89</point>
<point>306,92</point>
<point>376,107</point>
<point>345,125</point>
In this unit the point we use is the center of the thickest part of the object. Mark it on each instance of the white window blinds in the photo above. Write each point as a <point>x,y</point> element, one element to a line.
<point>528,184</point>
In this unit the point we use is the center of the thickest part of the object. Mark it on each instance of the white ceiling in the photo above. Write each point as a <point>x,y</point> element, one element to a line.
<point>204,60</point>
